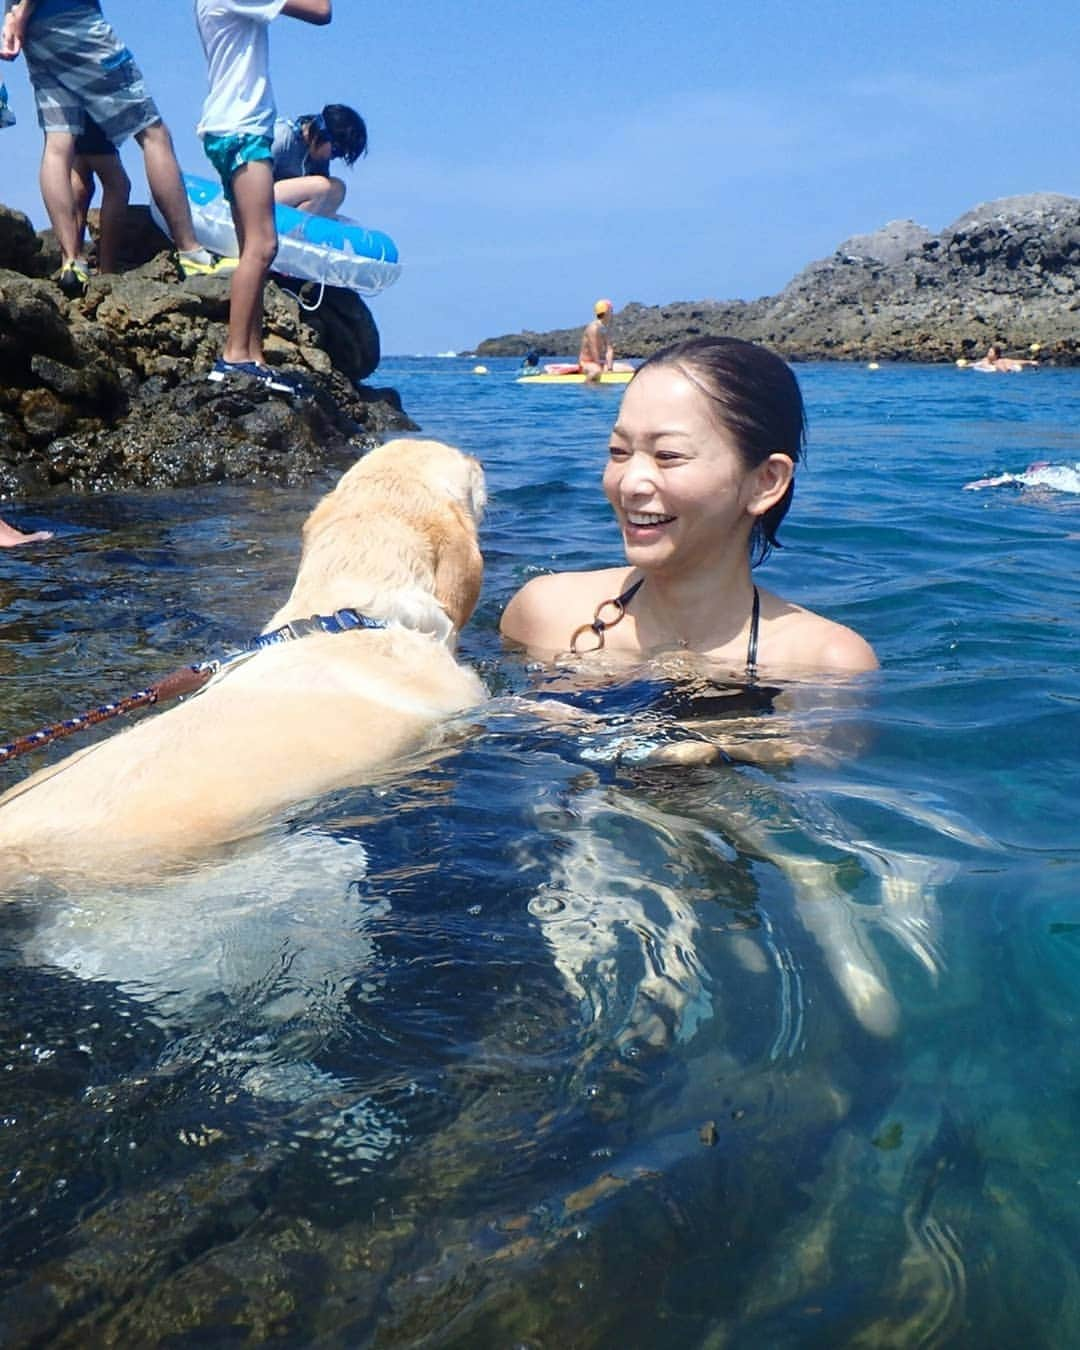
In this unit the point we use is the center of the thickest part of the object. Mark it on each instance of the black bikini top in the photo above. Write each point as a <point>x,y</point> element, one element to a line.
<point>620,604</point>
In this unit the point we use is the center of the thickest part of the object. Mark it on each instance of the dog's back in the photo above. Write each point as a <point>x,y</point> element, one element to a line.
<point>396,539</point>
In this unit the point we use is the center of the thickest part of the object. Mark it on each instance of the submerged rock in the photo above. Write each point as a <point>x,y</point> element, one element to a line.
<point>1007,272</point>
<point>109,391</point>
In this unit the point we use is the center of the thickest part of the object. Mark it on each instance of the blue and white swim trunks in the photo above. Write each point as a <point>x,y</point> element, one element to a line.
<point>78,67</point>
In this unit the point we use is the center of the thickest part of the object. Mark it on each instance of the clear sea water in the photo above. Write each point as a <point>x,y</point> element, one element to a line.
<point>538,1047</point>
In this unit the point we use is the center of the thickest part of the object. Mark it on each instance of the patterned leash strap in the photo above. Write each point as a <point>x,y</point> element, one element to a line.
<point>187,679</point>
<point>183,681</point>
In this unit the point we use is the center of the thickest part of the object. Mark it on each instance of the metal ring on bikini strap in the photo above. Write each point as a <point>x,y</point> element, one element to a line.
<point>599,624</point>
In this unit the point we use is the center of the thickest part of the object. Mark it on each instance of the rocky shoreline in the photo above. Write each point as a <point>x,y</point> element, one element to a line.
<point>1006,272</point>
<point>109,391</point>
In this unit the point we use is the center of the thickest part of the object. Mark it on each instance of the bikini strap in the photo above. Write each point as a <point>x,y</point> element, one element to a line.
<point>751,646</point>
<point>619,604</point>
<point>630,592</point>
<point>599,625</point>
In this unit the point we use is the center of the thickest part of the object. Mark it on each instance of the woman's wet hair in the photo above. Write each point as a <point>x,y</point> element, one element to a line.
<point>756,398</point>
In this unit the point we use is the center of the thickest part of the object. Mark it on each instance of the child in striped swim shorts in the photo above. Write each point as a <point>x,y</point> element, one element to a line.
<point>80,69</point>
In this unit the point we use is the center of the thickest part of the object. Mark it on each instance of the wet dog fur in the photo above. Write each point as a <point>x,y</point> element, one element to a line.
<point>396,540</point>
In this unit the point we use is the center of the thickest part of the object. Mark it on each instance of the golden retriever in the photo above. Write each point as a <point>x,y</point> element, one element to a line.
<point>396,540</point>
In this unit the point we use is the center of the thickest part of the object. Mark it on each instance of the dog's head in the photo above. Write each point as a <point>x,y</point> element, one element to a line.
<point>398,531</point>
<point>423,466</point>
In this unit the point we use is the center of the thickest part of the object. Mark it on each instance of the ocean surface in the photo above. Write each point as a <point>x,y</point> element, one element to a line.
<point>537,1045</point>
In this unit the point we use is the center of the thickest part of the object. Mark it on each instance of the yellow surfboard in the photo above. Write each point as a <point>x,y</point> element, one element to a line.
<point>608,377</point>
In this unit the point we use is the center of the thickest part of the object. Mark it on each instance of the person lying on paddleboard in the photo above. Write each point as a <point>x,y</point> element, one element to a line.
<point>994,361</point>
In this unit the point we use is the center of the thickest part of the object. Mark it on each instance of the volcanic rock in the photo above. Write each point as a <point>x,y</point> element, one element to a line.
<point>1007,272</point>
<point>109,391</point>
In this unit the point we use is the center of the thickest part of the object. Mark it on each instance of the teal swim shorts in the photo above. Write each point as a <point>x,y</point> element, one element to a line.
<point>227,153</point>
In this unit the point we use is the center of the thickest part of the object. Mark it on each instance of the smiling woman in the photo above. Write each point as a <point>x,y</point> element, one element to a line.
<point>700,476</point>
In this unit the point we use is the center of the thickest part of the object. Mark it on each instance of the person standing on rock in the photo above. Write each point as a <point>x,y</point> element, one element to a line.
<point>237,128</point>
<point>79,68</point>
<point>96,157</point>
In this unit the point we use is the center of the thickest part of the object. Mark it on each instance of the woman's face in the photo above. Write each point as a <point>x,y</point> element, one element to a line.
<point>675,479</point>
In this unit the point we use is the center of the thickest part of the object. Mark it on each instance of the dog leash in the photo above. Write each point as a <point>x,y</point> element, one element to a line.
<point>186,680</point>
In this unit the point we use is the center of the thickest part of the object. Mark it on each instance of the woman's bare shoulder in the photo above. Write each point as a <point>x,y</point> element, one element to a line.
<point>842,649</point>
<point>546,610</point>
<point>802,640</point>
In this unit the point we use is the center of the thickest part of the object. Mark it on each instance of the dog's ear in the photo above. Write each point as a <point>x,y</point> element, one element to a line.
<point>459,569</point>
<point>477,490</point>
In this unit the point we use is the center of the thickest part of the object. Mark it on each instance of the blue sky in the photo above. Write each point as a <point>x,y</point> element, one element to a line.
<point>528,158</point>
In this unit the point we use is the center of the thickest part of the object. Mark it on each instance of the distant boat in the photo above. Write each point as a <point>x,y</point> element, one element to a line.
<point>446,353</point>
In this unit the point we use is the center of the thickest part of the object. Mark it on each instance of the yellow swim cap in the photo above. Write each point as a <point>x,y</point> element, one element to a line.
<point>603,307</point>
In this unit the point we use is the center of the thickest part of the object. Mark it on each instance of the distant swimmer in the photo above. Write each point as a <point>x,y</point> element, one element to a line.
<point>1042,474</point>
<point>1002,365</point>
